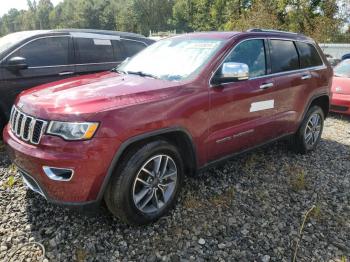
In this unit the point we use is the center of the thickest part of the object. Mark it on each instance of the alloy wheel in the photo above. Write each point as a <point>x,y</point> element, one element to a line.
<point>313,129</point>
<point>155,183</point>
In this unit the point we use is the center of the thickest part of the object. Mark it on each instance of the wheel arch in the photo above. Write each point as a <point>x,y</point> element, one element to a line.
<point>321,100</point>
<point>178,136</point>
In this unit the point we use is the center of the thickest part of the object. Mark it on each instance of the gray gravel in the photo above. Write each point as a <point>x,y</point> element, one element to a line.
<point>248,209</point>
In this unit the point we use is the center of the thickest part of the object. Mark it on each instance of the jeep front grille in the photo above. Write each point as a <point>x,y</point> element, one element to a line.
<point>27,128</point>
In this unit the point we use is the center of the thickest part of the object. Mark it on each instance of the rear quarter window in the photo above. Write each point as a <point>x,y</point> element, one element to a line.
<point>309,56</point>
<point>94,50</point>
<point>284,56</point>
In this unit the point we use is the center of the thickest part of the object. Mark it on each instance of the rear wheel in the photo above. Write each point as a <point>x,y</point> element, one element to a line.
<point>146,185</point>
<point>310,131</point>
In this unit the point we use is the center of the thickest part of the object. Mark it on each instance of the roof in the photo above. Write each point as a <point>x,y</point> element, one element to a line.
<point>213,34</point>
<point>95,31</point>
<point>90,31</point>
<point>255,32</point>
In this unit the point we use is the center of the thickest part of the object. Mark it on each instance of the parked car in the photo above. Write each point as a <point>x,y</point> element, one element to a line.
<point>181,105</point>
<point>333,61</point>
<point>341,88</point>
<point>346,56</point>
<point>31,58</point>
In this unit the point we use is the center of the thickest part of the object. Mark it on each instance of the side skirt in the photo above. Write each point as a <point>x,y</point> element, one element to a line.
<point>228,157</point>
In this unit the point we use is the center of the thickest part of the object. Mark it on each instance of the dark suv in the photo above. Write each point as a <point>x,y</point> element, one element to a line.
<point>31,58</point>
<point>184,103</point>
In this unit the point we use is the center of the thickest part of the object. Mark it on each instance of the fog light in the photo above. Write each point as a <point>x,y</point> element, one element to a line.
<point>58,174</point>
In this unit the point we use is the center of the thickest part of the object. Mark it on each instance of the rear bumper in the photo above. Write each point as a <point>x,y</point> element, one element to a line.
<point>90,161</point>
<point>340,103</point>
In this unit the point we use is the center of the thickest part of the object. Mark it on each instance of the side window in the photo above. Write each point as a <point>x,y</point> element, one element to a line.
<point>309,56</point>
<point>94,50</point>
<point>49,51</point>
<point>252,53</point>
<point>284,56</point>
<point>133,47</point>
<point>119,50</point>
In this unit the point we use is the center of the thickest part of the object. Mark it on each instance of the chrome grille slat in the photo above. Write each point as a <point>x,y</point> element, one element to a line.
<point>27,128</point>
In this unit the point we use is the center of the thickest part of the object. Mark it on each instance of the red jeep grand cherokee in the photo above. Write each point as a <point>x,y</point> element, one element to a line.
<point>131,135</point>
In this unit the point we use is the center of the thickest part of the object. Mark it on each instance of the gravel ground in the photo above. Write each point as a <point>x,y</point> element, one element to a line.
<point>248,209</point>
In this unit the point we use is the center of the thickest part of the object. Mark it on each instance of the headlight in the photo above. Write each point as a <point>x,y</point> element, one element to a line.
<point>72,131</point>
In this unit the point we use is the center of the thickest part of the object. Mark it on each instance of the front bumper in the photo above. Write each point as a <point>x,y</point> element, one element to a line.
<point>340,103</point>
<point>90,161</point>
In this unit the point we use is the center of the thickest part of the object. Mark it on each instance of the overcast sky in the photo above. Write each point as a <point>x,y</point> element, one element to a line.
<point>6,5</point>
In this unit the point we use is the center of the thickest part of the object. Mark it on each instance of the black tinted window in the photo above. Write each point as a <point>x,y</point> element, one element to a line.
<point>46,52</point>
<point>133,47</point>
<point>252,53</point>
<point>95,50</point>
<point>308,55</point>
<point>284,56</point>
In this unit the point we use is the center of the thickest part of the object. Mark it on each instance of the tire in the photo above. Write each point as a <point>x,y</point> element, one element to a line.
<point>2,125</point>
<point>302,142</point>
<point>126,196</point>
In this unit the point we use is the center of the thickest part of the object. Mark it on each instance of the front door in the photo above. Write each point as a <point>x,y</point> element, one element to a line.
<point>48,59</point>
<point>242,113</point>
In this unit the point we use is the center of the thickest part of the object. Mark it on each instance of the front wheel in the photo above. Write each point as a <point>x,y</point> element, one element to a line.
<point>146,185</point>
<point>310,131</point>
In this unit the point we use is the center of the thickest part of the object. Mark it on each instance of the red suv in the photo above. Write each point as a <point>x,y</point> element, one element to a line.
<point>129,136</point>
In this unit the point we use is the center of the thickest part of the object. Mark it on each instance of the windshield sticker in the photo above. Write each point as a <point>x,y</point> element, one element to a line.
<point>102,42</point>
<point>209,45</point>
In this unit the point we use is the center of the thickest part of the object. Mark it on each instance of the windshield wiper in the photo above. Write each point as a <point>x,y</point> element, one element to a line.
<point>143,74</point>
<point>116,70</point>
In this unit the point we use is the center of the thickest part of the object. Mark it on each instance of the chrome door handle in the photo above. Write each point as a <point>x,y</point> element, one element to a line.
<point>66,73</point>
<point>305,77</point>
<point>266,85</point>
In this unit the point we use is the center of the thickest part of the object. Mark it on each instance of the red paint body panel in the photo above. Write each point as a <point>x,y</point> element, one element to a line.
<point>127,106</point>
<point>341,95</point>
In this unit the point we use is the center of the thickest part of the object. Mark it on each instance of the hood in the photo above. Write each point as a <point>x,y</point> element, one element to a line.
<point>341,85</point>
<point>89,94</point>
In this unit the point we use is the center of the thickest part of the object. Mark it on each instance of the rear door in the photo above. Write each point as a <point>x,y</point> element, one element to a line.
<point>315,74</point>
<point>49,59</point>
<point>242,114</point>
<point>96,53</point>
<point>298,73</point>
<point>289,86</point>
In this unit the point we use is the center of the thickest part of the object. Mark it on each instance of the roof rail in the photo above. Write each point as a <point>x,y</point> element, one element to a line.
<point>271,31</point>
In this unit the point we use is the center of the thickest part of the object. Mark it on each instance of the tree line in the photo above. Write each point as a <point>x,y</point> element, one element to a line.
<point>320,19</point>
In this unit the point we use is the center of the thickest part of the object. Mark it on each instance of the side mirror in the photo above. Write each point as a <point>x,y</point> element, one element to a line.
<point>16,63</point>
<point>232,72</point>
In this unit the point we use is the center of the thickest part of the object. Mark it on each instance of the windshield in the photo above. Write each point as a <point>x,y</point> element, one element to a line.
<point>343,68</point>
<point>12,39</point>
<point>172,59</point>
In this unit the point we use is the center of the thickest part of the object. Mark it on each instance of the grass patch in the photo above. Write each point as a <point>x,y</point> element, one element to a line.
<point>224,199</point>
<point>262,195</point>
<point>10,182</point>
<point>316,212</point>
<point>297,178</point>
<point>298,182</point>
<point>250,163</point>
<point>192,202</point>
<point>81,255</point>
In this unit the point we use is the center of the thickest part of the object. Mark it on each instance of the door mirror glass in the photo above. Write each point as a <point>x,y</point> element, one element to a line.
<point>232,72</point>
<point>16,63</point>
